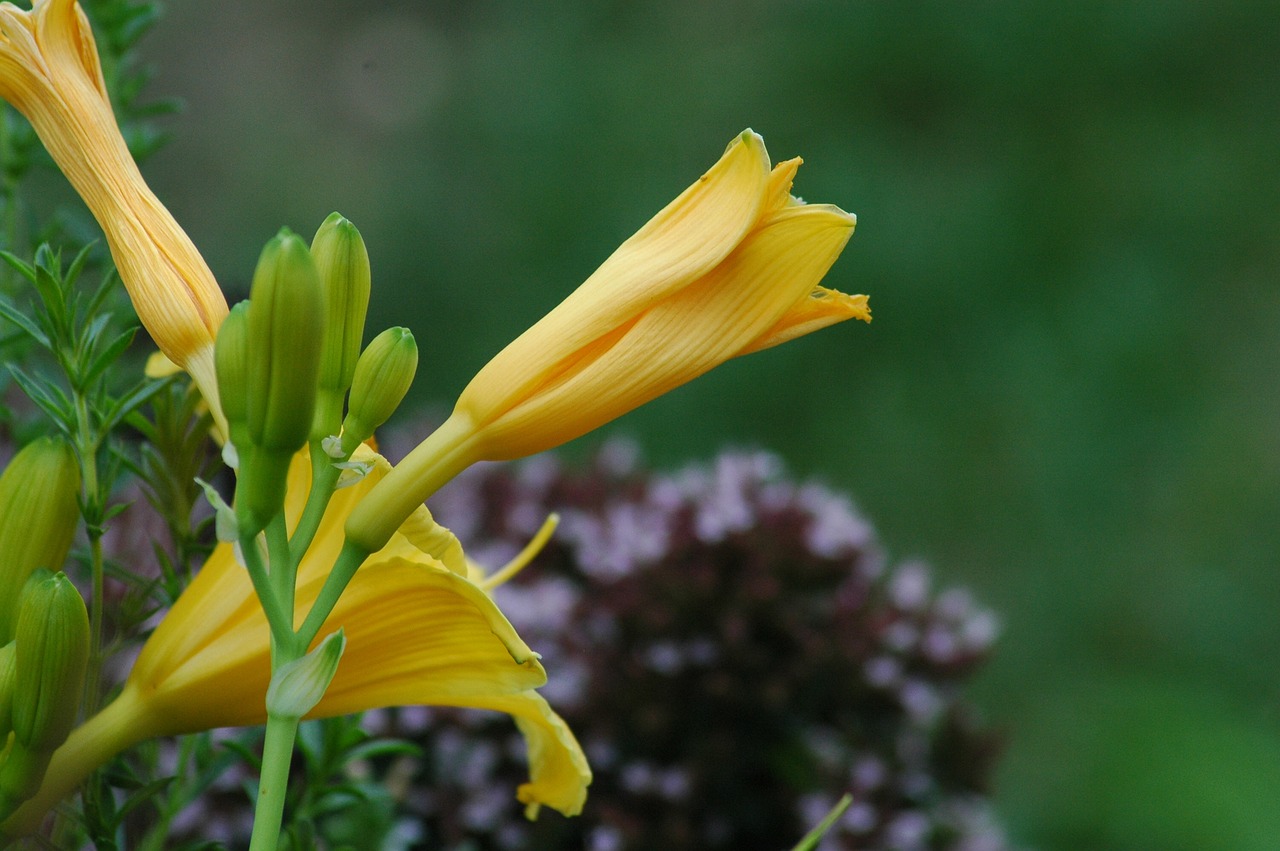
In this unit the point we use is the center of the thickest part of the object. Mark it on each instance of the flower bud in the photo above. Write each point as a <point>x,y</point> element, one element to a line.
<point>298,686</point>
<point>231,358</point>
<point>38,517</point>
<point>52,651</point>
<point>285,328</point>
<point>343,263</point>
<point>8,672</point>
<point>383,376</point>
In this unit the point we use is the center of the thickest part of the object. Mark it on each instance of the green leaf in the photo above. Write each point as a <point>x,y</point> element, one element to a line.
<point>24,269</point>
<point>123,406</point>
<point>813,837</point>
<point>77,265</point>
<point>20,318</point>
<point>59,409</point>
<point>110,354</point>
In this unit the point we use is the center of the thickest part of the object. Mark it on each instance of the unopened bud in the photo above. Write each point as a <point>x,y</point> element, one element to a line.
<point>51,653</point>
<point>383,377</point>
<point>343,264</point>
<point>38,517</point>
<point>8,672</point>
<point>231,358</point>
<point>298,686</point>
<point>285,330</point>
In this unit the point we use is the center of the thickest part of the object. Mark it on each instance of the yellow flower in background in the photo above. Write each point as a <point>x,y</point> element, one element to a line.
<point>419,631</point>
<point>729,267</point>
<point>49,71</point>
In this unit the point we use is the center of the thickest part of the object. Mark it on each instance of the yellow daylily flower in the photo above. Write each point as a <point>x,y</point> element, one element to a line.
<point>729,267</point>
<point>49,71</point>
<point>418,632</point>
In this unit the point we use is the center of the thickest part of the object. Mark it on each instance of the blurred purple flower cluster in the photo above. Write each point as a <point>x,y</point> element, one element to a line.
<point>734,653</point>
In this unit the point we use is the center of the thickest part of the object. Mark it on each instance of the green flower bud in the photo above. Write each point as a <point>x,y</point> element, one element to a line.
<point>8,672</point>
<point>383,376</point>
<point>38,518</point>
<point>52,652</point>
<point>286,330</point>
<point>343,264</point>
<point>298,686</point>
<point>50,658</point>
<point>231,359</point>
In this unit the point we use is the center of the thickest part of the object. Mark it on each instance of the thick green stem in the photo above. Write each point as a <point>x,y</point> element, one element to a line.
<point>277,754</point>
<point>279,618</point>
<point>349,561</point>
<point>282,569</point>
<point>324,477</point>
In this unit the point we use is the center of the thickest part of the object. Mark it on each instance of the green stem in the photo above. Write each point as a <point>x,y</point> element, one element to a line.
<point>91,695</point>
<point>273,784</point>
<point>279,618</point>
<point>349,561</point>
<point>324,477</point>
<point>282,568</point>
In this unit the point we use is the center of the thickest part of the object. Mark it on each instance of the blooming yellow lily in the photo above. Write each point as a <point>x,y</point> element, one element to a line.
<point>49,71</point>
<point>419,631</point>
<point>729,267</point>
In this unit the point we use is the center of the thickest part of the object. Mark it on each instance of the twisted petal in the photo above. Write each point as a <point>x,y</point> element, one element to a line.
<point>679,245</point>
<point>759,292</point>
<point>49,71</point>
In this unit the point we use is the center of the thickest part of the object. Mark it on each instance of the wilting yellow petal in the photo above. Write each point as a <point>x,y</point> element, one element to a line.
<point>49,71</point>
<point>820,308</point>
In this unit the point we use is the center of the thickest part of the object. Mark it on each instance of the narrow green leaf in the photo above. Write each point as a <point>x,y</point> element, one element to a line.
<point>110,354</point>
<point>813,837</point>
<point>24,269</point>
<point>48,397</point>
<point>20,318</point>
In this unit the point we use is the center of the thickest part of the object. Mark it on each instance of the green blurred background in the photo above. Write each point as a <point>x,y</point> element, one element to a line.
<point>1068,227</point>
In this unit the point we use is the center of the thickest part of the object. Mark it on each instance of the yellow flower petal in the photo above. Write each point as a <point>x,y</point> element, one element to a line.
<point>708,322</point>
<point>417,632</point>
<point>730,267</point>
<point>683,242</point>
<point>820,308</point>
<point>49,71</point>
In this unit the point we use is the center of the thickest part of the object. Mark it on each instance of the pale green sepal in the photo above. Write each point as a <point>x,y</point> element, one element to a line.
<point>353,472</point>
<point>298,686</point>
<point>230,456</point>
<point>332,446</point>
<point>225,526</point>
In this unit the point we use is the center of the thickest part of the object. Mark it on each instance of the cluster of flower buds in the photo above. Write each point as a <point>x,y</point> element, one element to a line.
<point>44,626</point>
<point>288,357</point>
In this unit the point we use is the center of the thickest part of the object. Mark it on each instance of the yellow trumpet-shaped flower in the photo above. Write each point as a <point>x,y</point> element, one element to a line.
<point>49,70</point>
<point>729,267</point>
<point>418,632</point>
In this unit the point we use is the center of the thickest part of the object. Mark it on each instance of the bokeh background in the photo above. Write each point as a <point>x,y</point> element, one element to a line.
<point>1069,229</point>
